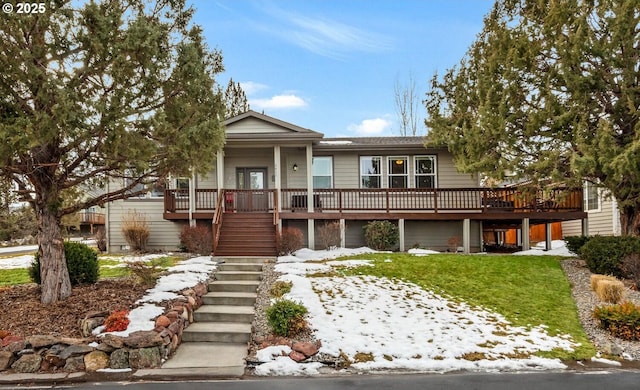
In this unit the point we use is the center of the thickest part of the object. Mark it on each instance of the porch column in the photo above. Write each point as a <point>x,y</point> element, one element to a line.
<point>526,238</point>
<point>343,234</point>
<point>192,199</point>
<point>278,179</point>
<point>401,231</point>
<point>220,169</point>
<point>309,179</point>
<point>585,226</point>
<point>311,229</point>
<point>466,236</point>
<point>481,236</point>
<point>547,236</point>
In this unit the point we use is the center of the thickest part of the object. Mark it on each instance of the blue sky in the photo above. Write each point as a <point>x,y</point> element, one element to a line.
<point>331,65</point>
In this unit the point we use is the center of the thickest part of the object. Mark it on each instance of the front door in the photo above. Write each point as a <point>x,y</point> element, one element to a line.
<point>251,181</point>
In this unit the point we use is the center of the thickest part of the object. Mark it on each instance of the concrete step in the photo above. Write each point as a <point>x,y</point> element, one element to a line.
<point>227,267</point>
<point>217,332</point>
<point>220,313</point>
<point>244,259</point>
<point>238,275</point>
<point>218,359</point>
<point>234,286</point>
<point>230,298</point>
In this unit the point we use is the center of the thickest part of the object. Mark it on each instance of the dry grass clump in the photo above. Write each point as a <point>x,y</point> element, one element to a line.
<point>608,288</point>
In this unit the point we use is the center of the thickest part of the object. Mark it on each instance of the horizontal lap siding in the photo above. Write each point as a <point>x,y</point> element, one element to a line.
<point>434,235</point>
<point>254,126</point>
<point>164,235</point>
<point>600,222</point>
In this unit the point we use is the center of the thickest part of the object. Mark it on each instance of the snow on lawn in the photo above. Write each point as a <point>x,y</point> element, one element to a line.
<point>399,326</point>
<point>24,261</point>
<point>558,248</point>
<point>183,275</point>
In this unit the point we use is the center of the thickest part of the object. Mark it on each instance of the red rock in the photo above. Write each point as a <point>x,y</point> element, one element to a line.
<point>297,356</point>
<point>172,315</point>
<point>308,349</point>
<point>162,321</point>
<point>178,308</point>
<point>10,339</point>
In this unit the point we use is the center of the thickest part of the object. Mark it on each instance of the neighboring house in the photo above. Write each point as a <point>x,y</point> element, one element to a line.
<point>603,215</point>
<point>272,174</point>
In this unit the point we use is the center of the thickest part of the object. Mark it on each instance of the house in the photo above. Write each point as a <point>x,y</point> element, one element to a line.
<point>603,215</point>
<point>273,174</point>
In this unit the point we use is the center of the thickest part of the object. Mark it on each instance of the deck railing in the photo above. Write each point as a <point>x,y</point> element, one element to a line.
<point>384,199</point>
<point>91,218</point>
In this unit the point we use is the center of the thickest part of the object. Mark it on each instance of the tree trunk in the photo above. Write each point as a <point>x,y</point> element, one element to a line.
<point>55,284</point>
<point>630,221</point>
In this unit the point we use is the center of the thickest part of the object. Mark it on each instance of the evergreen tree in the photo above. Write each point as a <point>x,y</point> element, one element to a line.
<point>235,99</point>
<point>98,92</point>
<point>549,91</point>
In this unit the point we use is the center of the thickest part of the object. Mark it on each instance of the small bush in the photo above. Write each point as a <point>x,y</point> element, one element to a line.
<point>604,254</point>
<point>329,234</point>
<point>575,243</point>
<point>135,231</point>
<point>610,291</point>
<point>101,239</point>
<point>280,288</point>
<point>631,268</point>
<point>597,278</point>
<point>197,239</point>
<point>381,235</point>
<point>146,273</point>
<point>117,321</point>
<point>289,240</point>
<point>621,320</point>
<point>286,318</point>
<point>82,264</point>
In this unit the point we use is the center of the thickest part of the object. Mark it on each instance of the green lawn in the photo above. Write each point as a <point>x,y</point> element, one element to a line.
<point>108,269</point>
<point>527,290</point>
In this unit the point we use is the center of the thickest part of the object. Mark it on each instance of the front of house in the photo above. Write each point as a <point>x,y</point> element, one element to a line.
<point>272,174</point>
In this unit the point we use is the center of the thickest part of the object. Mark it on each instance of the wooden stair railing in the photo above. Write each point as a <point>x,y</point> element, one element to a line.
<point>217,219</point>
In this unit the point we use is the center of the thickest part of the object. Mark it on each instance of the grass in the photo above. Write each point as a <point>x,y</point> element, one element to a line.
<point>527,290</point>
<point>108,270</point>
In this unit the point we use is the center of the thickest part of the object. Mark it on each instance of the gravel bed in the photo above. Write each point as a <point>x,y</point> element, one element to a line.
<point>587,300</point>
<point>575,270</point>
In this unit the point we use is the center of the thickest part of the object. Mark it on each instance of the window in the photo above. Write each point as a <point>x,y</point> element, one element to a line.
<point>154,190</point>
<point>370,172</point>
<point>322,172</point>
<point>591,197</point>
<point>425,176</point>
<point>182,183</point>
<point>398,172</point>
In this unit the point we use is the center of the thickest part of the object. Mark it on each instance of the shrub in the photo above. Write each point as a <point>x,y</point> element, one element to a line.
<point>631,268</point>
<point>280,288</point>
<point>135,231</point>
<point>117,321</point>
<point>289,240</point>
<point>146,274</point>
<point>197,239</point>
<point>101,239</point>
<point>381,235</point>
<point>286,318</point>
<point>575,243</point>
<point>610,291</point>
<point>329,234</point>
<point>604,254</point>
<point>597,278</point>
<point>621,320</point>
<point>82,264</point>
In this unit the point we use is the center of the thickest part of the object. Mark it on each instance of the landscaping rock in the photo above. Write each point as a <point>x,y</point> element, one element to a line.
<point>87,325</point>
<point>75,350</point>
<point>162,321</point>
<point>143,339</point>
<point>27,364</point>
<point>145,358</point>
<point>74,364</point>
<point>119,359</point>
<point>95,361</point>
<point>113,341</point>
<point>6,358</point>
<point>40,341</point>
<point>308,349</point>
<point>297,356</point>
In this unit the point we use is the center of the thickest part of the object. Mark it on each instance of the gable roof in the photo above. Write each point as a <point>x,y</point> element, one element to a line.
<point>244,127</point>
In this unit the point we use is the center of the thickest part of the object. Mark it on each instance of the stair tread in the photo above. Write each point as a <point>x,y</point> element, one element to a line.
<point>243,282</point>
<point>227,309</point>
<point>219,327</point>
<point>230,294</point>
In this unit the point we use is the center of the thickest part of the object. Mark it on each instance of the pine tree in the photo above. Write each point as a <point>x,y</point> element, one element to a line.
<point>549,91</point>
<point>93,93</point>
<point>235,99</point>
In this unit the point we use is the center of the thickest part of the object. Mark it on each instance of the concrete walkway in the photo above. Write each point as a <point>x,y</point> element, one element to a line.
<point>216,344</point>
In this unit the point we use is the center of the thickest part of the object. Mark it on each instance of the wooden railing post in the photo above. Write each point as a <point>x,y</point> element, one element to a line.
<point>435,200</point>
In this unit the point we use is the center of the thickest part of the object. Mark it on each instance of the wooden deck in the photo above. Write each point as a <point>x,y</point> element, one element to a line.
<point>504,205</point>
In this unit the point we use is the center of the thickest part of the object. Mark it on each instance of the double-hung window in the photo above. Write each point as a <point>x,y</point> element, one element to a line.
<point>322,172</point>
<point>370,171</point>
<point>591,197</point>
<point>398,172</point>
<point>425,171</point>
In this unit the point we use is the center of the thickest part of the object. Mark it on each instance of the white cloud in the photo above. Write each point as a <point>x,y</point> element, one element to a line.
<point>278,101</point>
<point>371,127</point>
<point>251,88</point>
